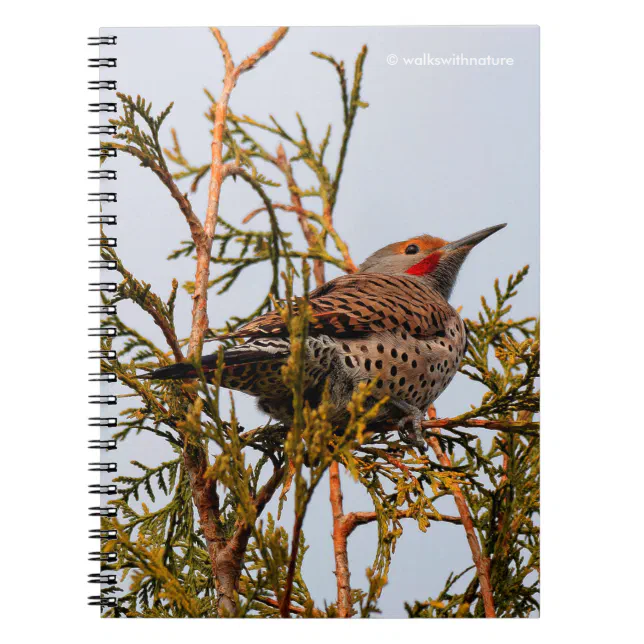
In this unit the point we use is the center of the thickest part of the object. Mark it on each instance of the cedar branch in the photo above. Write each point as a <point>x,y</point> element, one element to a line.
<point>282,162</point>
<point>226,556</point>
<point>341,532</point>
<point>218,172</point>
<point>481,562</point>
<point>509,426</point>
<point>290,574</point>
<point>355,519</point>
<point>196,229</point>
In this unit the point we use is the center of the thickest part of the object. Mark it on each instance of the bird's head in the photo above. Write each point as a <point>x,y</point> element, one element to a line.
<point>430,258</point>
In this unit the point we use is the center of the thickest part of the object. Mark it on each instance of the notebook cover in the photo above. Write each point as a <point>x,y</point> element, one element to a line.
<point>319,349</point>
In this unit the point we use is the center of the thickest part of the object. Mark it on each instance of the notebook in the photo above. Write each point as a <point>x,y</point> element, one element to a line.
<point>316,304</point>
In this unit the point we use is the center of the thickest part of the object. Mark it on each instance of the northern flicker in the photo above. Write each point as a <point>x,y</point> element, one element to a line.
<point>390,323</point>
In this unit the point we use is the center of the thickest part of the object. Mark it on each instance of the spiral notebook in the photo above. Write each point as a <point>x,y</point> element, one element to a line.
<point>316,302</point>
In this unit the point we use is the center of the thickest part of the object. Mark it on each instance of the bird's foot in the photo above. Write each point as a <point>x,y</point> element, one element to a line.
<point>414,435</point>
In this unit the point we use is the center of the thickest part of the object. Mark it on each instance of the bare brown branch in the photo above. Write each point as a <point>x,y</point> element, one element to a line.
<point>481,562</point>
<point>355,519</point>
<point>230,554</point>
<point>205,499</point>
<point>310,235</point>
<point>290,574</point>
<point>218,172</point>
<point>169,335</point>
<point>510,426</point>
<point>263,51</point>
<point>266,493</point>
<point>343,527</point>
<point>226,555</point>
<point>340,535</point>
<point>225,51</point>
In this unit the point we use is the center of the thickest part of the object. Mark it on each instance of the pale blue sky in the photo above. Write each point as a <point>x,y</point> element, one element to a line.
<point>440,150</point>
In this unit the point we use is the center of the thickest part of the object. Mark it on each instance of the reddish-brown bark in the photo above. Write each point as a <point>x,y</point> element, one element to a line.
<point>226,555</point>
<point>218,172</point>
<point>481,562</point>
<point>290,574</point>
<point>341,531</point>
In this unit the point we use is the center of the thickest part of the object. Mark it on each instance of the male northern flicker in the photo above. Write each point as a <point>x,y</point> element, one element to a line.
<point>389,323</point>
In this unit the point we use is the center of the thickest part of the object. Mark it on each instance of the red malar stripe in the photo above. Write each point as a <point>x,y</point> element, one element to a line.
<point>426,265</point>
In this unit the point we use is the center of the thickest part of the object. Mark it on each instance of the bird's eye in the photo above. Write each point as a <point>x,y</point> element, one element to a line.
<point>412,249</point>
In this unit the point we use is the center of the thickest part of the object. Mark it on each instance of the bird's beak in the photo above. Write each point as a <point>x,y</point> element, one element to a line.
<point>472,240</point>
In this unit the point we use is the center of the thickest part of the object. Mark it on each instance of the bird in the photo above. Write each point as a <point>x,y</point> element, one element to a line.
<point>390,324</point>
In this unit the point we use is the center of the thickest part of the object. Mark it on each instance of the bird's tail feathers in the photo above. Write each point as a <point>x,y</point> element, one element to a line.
<point>234,356</point>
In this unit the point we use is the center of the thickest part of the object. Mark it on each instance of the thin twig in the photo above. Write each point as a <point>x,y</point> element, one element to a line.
<point>297,610</point>
<point>355,519</point>
<point>327,224</point>
<point>196,229</point>
<point>267,491</point>
<point>389,458</point>
<point>310,235</point>
<point>348,264</point>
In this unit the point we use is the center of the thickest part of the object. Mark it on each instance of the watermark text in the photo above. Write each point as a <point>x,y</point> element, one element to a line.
<point>455,60</point>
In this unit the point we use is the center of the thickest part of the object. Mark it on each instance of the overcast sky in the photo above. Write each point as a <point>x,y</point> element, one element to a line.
<point>444,150</point>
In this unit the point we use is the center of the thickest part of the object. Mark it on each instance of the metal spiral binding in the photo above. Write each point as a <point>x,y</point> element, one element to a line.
<point>108,490</point>
<point>102,422</point>
<point>103,197</point>
<point>103,153</point>
<point>103,241</point>
<point>109,175</point>
<point>105,220</point>
<point>101,511</point>
<point>100,84</point>
<point>102,309</point>
<point>102,129</point>
<point>101,40</point>
<point>103,602</point>
<point>106,445</point>
<point>102,62</point>
<point>105,578</point>
<point>102,377</point>
<point>103,467</point>
<point>105,264</point>
<point>103,557</point>
<point>102,400</point>
<point>102,107</point>
<point>104,535</point>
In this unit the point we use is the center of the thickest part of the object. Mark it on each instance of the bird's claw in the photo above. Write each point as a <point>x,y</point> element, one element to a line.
<point>413,436</point>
